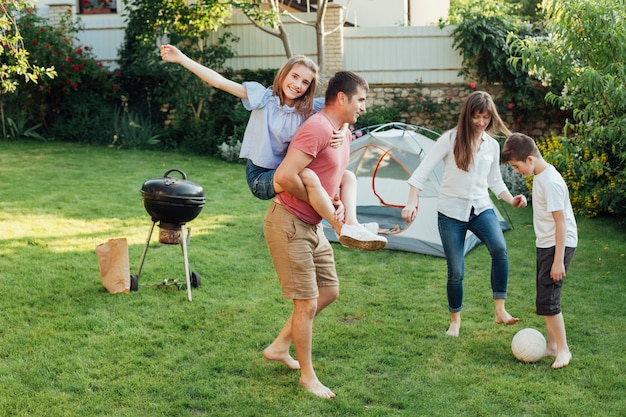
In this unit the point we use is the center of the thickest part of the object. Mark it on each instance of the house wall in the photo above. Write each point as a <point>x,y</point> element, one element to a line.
<point>103,33</point>
<point>387,13</point>
<point>398,61</point>
<point>394,54</point>
<point>383,55</point>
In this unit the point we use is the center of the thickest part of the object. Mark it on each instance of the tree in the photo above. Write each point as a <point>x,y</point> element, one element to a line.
<point>14,63</point>
<point>271,23</point>
<point>197,118</point>
<point>584,51</point>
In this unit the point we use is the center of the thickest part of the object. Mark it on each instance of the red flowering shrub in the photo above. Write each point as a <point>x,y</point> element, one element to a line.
<point>77,71</point>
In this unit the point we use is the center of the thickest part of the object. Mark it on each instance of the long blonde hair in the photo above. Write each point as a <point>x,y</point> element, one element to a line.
<point>477,102</point>
<point>304,104</point>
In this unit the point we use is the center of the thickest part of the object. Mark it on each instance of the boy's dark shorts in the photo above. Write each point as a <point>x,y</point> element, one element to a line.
<point>261,181</point>
<point>548,300</point>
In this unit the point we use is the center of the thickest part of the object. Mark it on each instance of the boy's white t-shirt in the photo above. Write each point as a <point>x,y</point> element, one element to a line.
<point>550,194</point>
<point>271,126</point>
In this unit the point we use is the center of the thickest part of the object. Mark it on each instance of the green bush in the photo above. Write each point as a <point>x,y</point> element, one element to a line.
<point>378,115</point>
<point>481,37</point>
<point>56,103</point>
<point>584,51</point>
<point>83,117</point>
<point>195,116</point>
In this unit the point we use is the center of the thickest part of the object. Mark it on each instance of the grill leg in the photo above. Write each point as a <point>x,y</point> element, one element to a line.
<point>145,249</point>
<point>183,242</point>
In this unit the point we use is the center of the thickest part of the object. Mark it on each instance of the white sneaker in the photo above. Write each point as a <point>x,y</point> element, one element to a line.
<point>358,237</point>
<point>371,227</point>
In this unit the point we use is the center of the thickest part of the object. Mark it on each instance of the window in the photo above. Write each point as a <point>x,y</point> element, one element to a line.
<point>97,6</point>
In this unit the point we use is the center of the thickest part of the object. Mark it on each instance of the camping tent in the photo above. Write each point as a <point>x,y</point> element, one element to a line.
<point>383,159</point>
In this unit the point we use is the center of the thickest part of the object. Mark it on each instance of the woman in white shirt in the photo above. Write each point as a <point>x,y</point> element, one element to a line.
<point>471,167</point>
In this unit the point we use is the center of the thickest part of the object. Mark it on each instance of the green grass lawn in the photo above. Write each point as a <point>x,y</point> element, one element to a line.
<point>69,348</point>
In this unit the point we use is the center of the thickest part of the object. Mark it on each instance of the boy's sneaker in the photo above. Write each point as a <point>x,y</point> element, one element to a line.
<point>358,237</point>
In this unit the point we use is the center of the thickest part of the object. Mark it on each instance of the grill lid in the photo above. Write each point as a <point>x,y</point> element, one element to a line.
<point>173,190</point>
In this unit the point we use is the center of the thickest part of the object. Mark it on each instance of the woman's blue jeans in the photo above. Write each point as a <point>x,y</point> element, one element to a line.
<point>486,227</point>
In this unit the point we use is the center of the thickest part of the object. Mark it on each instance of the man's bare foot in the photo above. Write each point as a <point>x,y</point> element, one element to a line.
<point>318,389</point>
<point>281,356</point>
<point>562,359</point>
<point>505,318</point>
<point>454,328</point>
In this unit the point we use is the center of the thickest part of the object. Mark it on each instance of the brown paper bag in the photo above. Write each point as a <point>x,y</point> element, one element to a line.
<point>114,265</point>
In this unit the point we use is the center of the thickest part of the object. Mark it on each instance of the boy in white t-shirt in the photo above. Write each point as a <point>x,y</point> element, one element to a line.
<point>556,237</point>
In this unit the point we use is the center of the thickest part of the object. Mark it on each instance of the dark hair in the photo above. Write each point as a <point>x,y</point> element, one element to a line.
<point>346,82</point>
<point>477,102</point>
<point>518,147</point>
<point>304,103</point>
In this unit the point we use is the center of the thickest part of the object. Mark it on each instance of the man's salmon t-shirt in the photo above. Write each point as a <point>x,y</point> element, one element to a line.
<point>313,138</point>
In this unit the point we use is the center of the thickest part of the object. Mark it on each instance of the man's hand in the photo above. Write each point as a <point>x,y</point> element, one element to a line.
<point>340,210</point>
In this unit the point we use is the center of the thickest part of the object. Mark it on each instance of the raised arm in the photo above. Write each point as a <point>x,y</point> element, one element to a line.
<point>170,53</point>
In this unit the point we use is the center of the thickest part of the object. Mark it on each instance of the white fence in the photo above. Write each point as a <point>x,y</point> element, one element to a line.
<point>402,55</point>
<point>383,55</point>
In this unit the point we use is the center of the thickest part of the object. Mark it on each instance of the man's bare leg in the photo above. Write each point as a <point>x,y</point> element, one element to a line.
<point>557,341</point>
<point>455,324</point>
<point>502,316</point>
<point>279,349</point>
<point>304,312</point>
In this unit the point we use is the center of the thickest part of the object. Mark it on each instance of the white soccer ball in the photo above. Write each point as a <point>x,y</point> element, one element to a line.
<point>529,345</point>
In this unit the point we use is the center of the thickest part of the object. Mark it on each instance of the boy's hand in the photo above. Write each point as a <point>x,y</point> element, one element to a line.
<point>557,272</point>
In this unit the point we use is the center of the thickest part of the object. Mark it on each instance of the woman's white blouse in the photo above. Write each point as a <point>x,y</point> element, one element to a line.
<point>462,190</point>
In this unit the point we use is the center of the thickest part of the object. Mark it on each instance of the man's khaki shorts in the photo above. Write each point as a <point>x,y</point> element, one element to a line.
<point>302,256</point>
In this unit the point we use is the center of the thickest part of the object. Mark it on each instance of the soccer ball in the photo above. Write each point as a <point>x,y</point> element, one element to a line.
<point>528,345</point>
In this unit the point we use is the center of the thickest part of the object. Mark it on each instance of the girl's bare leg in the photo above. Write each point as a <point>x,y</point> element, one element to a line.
<point>348,196</point>
<point>356,236</point>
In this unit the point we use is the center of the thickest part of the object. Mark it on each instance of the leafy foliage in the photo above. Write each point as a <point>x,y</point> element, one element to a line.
<point>20,129</point>
<point>481,36</point>
<point>197,117</point>
<point>55,103</point>
<point>584,51</point>
<point>378,115</point>
<point>14,57</point>
<point>525,10</point>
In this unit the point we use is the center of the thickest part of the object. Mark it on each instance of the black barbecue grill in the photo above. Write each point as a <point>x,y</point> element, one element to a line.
<point>172,202</point>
